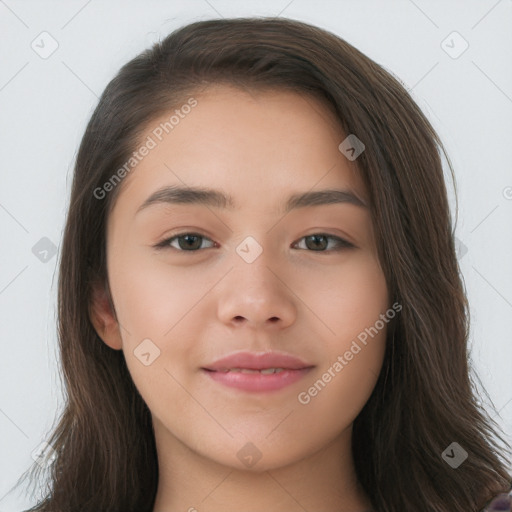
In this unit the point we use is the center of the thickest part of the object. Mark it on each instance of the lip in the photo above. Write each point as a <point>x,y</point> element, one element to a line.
<point>258,361</point>
<point>294,369</point>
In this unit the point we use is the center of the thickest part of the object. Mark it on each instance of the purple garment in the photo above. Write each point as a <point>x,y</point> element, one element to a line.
<point>502,502</point>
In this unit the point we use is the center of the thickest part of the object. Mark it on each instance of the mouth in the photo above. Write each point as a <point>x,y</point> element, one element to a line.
<point>264,371</point>
<point>256,372</point>
<point>266,379</point>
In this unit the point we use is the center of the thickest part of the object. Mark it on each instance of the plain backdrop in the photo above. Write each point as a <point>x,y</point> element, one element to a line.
<point>462,81</point>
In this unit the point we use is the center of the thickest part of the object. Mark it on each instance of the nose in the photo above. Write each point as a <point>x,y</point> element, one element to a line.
<point>257,294</point>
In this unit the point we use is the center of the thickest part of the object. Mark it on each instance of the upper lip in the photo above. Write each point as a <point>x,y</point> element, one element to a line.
<point>258,361</point>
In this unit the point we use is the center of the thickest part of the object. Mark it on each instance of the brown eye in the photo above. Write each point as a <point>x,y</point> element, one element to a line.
<point>318,242</point>
<point>186,242</point>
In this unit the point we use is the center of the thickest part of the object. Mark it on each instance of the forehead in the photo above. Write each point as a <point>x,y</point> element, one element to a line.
<point>251,144</point>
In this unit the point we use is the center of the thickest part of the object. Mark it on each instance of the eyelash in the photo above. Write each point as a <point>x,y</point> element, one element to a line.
<point>164,244</point>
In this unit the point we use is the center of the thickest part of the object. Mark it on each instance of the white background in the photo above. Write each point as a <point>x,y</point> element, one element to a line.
<point>45,104</point>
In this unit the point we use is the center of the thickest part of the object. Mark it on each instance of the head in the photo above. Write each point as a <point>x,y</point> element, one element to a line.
<point>261,110</point>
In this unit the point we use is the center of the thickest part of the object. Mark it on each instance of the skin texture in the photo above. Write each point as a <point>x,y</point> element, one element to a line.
<point>199,306</point>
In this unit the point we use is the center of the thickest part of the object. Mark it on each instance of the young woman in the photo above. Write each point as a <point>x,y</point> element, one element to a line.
<point>260,305</point>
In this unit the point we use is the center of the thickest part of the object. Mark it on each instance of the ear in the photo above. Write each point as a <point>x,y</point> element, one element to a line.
<point>103,316</point>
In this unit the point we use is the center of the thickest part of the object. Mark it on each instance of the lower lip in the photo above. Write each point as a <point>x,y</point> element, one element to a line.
<point>258,381</point>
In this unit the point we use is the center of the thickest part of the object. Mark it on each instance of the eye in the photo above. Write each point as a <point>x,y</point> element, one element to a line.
<point>318,242</point>
<point>186,242</point>
<point>191,242</point>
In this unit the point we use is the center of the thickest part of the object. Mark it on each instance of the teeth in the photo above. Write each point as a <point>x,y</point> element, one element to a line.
<point>246,370</point>
<point>272,370</point>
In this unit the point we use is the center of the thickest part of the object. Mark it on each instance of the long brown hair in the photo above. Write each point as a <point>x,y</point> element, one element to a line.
<point>425,398</point>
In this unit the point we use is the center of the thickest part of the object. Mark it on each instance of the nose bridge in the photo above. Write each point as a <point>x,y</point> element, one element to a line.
<point>254,263</point>
<point>255,291</point>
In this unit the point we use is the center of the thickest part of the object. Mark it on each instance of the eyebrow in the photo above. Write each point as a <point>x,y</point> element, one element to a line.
<point>217,199</point>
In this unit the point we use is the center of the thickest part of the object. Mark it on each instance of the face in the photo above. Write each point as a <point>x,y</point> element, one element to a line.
<point>193,282</point>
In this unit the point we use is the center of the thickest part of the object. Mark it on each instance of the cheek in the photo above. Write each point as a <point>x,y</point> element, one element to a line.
<point>154,306</point>
<point>347,301</point>
<point>153,311</point>
<point>353,308</point>
<point>152,299</point>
